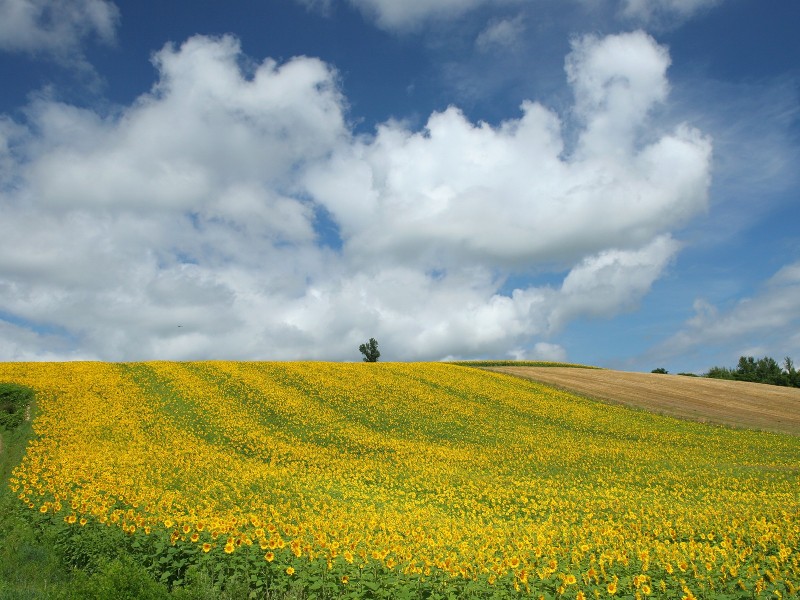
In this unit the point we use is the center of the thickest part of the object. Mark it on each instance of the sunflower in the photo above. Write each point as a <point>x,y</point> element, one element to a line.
<point>290,570</point>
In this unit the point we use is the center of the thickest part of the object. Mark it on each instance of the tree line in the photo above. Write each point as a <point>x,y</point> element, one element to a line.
<point>763,370</point>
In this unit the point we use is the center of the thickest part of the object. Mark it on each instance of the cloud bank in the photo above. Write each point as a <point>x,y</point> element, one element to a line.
<point>236,215</point>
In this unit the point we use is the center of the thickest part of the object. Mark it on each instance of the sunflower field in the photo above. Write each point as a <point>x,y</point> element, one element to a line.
<point>403,480</point>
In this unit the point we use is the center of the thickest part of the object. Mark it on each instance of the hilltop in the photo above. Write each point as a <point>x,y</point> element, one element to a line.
<point>733,403</point>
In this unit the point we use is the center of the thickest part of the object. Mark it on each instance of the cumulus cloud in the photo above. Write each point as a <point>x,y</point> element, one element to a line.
<point>193,223</point>
<point>55,27</point>
<point>459,193</point>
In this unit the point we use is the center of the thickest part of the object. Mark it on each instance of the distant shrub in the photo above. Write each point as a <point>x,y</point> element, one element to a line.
<point>660,370</point>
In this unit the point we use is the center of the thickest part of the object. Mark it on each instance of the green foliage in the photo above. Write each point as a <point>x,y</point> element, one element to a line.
<point>118,579</point>
<point>660,370</point>
<point>763,370</point>
<point>14,399</point>
<point>720,373</point>
<point>370,350</point>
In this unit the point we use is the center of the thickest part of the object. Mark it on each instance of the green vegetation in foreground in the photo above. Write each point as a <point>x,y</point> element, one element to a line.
<point>14,400</point>
<point>517,363</point>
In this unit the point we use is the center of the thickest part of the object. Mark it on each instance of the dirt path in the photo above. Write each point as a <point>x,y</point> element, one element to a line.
<point>735,403</point>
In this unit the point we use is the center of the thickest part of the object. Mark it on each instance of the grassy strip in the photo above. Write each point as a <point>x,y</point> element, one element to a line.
<point>517,363</point>
<point>28,567</point>
<point>14,399</point>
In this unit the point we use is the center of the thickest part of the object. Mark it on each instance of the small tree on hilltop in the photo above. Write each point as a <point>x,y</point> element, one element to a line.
<point>370,350</point>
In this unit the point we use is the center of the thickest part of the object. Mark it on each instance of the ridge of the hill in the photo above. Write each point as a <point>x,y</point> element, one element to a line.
<point>733,403</point>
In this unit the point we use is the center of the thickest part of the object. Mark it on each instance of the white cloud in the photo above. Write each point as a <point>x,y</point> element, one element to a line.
<point>459,193</point>
<point>766,321</point>
<point>502,33</point>
<point>55,27</point>
<point>203,133</point>
<point>390,14</point>
<point>540,351</point>
<point>187,225</point>
<point>650,11</point>
<point>612,280</point>
<point>617,80</point>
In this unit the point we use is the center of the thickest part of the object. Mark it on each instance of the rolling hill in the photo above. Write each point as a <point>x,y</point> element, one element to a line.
<point>733,403</point>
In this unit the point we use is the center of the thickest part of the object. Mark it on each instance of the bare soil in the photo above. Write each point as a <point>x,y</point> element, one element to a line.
<point>733,403</point>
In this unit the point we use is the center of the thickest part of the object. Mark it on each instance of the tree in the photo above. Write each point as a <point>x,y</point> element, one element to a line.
<point>720,373</point>
<point>660,370</point>
<point>763,370</point>
<point>792,376</point>
<point>768,371</point>
<point>746,369</point>
<point>370,350</point>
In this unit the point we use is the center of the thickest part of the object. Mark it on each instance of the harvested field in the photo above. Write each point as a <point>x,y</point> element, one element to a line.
<point>733,403</point>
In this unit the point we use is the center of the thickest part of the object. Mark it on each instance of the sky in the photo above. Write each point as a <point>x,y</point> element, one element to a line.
<point>606,182</point>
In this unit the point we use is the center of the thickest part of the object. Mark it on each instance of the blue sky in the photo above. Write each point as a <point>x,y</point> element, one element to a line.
<point>611,182</point>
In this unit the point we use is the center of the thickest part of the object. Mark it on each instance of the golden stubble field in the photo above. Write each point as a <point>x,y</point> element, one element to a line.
<point>733,403</point>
